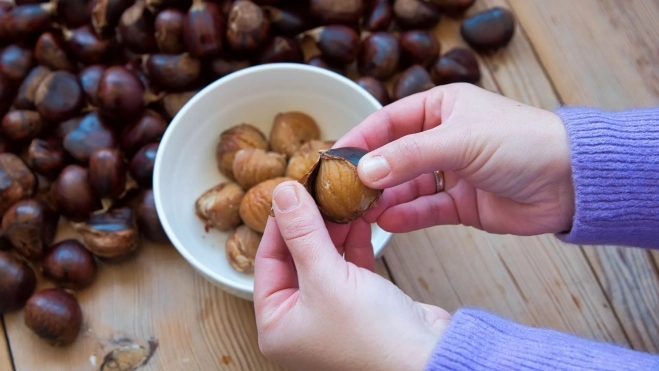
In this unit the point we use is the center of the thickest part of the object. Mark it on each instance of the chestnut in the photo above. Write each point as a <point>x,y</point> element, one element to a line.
<point>4,148</point>
<point>70,265</point>
<point>90,79</point>
<point>203,29</point>
<point>171,103</point>
<point>120,93</point>
<point>378,16</point>
<point>18,182</point>
<point>30,226</point>
<point>90,135</point>
<point>337,43</point>
<point>112,234</point>
<point>15,63</point>
<point>27,21</point>
<point>73,195</point>
<point>5,11</point>
<point>287,22</point>
<point>219,206</point>
<point>304,158</point>
<point>147,218</point>
<point>337,12</point>
<point>252,166</point>
<point>65,127</point>
<point>86,46</point>
<point>17,284</point>
<point>241,247</point>
<point>419,47</point>
<point>319,61</point>
<point>141,166</point>
<point>173,72</point>
<point>489,30</point>
<point>21,126</point>
<point>136,29</point>
<point>54,315</point>
<point>379,56</point>
<point>280,49</point>
<point>256,205</point>
<point>107,173</point>
<point>247,26</point>
<point>51,52</point>
<point>25,96</point>
<point>149,128</point>
<point>411,81</point>
<point>458,65</point>
<point>46,158</point>
<point>376,88</point>
<point>74,13</point>
<point>454,7</point>
<point>416,14</point>
<point>160,4</point>
<point>291,130</point>
<point>6,94</point>
<point>223,66</point>
<point>59,96</point>
<point>334,184</point>
<point>233,140</point>
<point>106,15</point>
<point>169,31</point>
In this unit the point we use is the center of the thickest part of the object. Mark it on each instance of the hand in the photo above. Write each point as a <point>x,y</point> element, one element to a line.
<point>316,310</point>
<point>507,165</point>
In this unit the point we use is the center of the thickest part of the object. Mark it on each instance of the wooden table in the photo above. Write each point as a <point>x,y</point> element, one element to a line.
<point>599,53</point>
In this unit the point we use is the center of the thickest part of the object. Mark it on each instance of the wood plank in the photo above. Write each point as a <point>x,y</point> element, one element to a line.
<point>5,355</point>
<point>608,60</point>
<point>382,269</point>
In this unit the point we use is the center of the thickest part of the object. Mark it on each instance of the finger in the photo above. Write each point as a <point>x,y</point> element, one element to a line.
<point>359,250</point>
<point>424,212</point>
<point>303,229</point>
<point>338,233</point>
<point>423,185</point>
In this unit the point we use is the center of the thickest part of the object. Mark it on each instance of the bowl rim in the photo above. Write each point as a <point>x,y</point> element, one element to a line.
<point>209,273</point>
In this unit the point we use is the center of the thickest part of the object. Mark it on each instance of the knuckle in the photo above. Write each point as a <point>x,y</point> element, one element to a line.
<point>299,230</point>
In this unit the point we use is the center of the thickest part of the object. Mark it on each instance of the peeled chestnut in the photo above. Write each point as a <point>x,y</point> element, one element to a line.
<point>59,96</point>
<point>147,218</point>
<point>17,284</point>
<point>15,63</point>
<point>136,29</point>
<point>419,47</point>
<point>416,14</point>
<point>411,81</point>
<point>291,130</point>
<point>17,181</point>
<point>304,158</point>
<point>147,129</point>
<point>241,247</point>
<point>286,21</point>
<point>111,234</point>
<point>319,61</point>
<point>106,15</point>
<point>379,56</point>
<point>203,29</point>
<point>74,13</point>
<point>337,43</point>
<point>252,166</point>
<point>70,265</point>
<point>90,78</point>
<point>281,49</point>
<point>46,158</point>
<point>51,52</point>
<point>169,31</point>
<point>334,184</point>
<point>247,26</point>
<point>376,88</point>
<point>107,173</point>
<point>54,315</point>
<point>378,16</point>
<point>256,205</point>
<point>458,65</point>
<point>171,103</point>
<point>86,46</point>
<point>73,195</point>
<point>219,206</point>
<point>489,30</point>
<point>30,225</point>
<point>27,21</point>
<point>90,135</point>
<point>25,97</point>
<point>173,72</point>
<point>120,93</point>
<point>21,126</point>
<point>235,139</point>
<point>337,12</point>
<point>141,166</point>
<point>223,66</point>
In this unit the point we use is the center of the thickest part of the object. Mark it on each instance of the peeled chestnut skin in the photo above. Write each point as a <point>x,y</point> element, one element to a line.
<point>17,284</point>
<point>16,181</point>
<point>204,29</point>
<point>419,47</point>
<point>70,265</point>
<point>224,66</point>
<point>306,157</point>
<point>378,16</point>
<point>337,12</point>
<point>73,13</point>
<point>51,52</point>
<point>416,14</point>
<point>169,31</point>
<point>379,56</point>
<point>173,72</point>
<point>149,128</point>
<point>106,15</point>
<point>73,195</point>
<point>30,225</point>
<point>87,47</point>
<point>287,22</point>
<point>376,88</point>
<point>90,78</point>
<point>141,166</point>
<point>90,135</point>
<point>136,29</point>
<point>107,173</point>
<point>25,97</point>
<point>15,63</point>
<point>120,93</point>
<point>411,81</point>
<point>247,26</point>
<point>54,315</point>
<point>458,65</point>
<point>281,49</point>
<point>147,218</point>
<point>46,158</point>
<point>319,61</point>
<point>337,43</point>
<point>112,234</point>
<point>59,97</point>
<point>21,126</point>
<point>27,21</point>
<point>490,30</point>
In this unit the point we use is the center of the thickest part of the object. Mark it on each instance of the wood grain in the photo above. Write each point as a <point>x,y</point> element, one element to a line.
<point>5,355</point>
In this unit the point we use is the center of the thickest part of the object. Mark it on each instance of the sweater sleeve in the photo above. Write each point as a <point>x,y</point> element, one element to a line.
<point>615,169</point>
<point>478,341</point>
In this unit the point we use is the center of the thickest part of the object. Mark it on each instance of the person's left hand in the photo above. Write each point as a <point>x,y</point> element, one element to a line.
<point>319,310</point>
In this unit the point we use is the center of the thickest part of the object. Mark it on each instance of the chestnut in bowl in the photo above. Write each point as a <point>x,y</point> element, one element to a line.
<point>235,139</point>
<point>219,206</point>
<point>290,130</point>
<point>54,315</point>
<point>256,205</point>
<point>70,265</point>
<point>17,284</point>
<point>241,249</point>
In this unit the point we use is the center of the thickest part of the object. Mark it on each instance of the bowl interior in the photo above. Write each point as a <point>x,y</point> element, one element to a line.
<point>186,167</point>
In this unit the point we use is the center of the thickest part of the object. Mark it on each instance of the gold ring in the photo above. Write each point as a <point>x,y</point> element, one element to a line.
<point>439,181</point>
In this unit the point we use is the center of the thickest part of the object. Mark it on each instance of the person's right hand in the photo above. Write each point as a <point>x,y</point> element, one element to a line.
<point>507,165</point>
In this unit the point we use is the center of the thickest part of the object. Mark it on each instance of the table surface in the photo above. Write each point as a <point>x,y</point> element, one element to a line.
<point>599,53</point>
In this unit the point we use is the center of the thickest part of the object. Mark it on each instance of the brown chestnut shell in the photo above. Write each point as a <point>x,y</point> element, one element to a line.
<point>173,72</point>
<point>419,47</point>
<point>16,181</point>
<point>45,157</point>
<point>458,65</point>
<point>21,126</point>
<point>379,56</point>
<point>73,195</point>
<point>51,51</point>
<point>305,158</point>
<point>120,93</point>
<point>147,218</point>
<point>54,315</point>
<point>16,63</point>
<point>490,30</point>
<point>378,16</point>
<point>141,166</point>
<point>30,226</point>
<point>169,31</point>
<point>90,135</point>
<point>17,284</point>
<point>345,12</point>
<point>280,49</point>
<point>337,43</point>
<point>70,265</point>
<point>247,26</point>
<point>136,29</point>
<point>204,29</point>
<point>59,96</point>
<point>111,234</point>
<point>416,14</point>
<point>26,92</point>
<point>149,128</point>
<point>90,78</point>
<point>413,80</point>
<point>376,88</point>
<point>107,173</point>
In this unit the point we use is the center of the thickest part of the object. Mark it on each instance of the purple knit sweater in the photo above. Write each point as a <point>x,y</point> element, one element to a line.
<point>615,165</point>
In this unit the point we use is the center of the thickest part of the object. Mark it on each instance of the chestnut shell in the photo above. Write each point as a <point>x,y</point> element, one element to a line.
<point>15,63</point>
<point>203,29</point>
<point>17,284</point>
<point>379,56</point>
<point>489,30</point>
<point>73,195</point>
<point>59,96</point>
<point>169,31</point>
<point>416,14</point>
<point>173,72</point>
<point>107,173</point>
<point>281,49</point>
<point>419,47</point>
<point>90,135</point>
<point>411,81</point>
<point>458,65</point>
<point>147,218</point>
<point>247,27</point>
<point>21,126</point>
<point>376,88</point>
<point>27,90</point>
<point>141,166</point>
<point>70,265</point>
<point>30,225</point>
<point>54,315</point>
<point>337,43</point>
<point>51,52</point>
<point>111,234</point>
<point>337,11</point>
<point>149,128</point>
<point>90,78</point>
<point>16,181</point>
<point>378,16</point>
<point>46,158</point>
<point>120,93</point>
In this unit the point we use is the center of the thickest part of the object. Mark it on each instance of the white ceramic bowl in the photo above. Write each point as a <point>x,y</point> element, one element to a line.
<point>185,166</point>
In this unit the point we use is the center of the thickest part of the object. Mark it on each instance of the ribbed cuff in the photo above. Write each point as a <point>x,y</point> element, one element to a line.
<point>615,165</point>
<point>479,341</point>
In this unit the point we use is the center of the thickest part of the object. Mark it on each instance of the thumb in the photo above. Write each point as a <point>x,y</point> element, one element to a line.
<point>303,229</point>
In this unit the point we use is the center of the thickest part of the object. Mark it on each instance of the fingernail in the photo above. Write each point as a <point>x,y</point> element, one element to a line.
<point>286,199</point>
<point>375,168</point>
